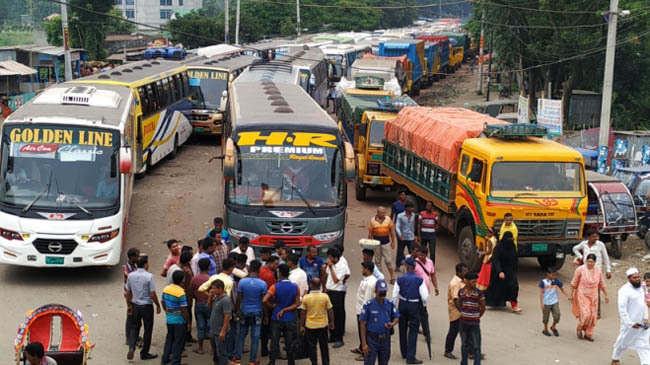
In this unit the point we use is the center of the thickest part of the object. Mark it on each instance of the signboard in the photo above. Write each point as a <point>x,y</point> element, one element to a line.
<point>522,110</point>
<point>549,115</point>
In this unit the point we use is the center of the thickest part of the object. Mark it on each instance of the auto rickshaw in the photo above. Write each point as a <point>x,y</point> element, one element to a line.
<point>610,211</point>
<point>70,346</point>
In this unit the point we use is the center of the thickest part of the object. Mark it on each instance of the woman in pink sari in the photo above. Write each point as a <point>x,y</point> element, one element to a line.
<point>586,283</point>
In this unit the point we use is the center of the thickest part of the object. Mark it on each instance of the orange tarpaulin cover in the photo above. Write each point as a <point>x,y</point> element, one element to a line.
<point>436,134</point>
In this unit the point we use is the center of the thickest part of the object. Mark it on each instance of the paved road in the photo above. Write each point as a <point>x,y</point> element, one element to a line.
<point>179,198</point>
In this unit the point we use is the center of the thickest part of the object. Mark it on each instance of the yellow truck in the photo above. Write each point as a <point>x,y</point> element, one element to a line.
<point>475,169</point>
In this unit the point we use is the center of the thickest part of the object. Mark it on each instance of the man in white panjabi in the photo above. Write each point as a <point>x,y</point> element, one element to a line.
<point>631,310</point>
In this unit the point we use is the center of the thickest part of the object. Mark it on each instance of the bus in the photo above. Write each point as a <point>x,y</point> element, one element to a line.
<point>209,79</point>
<point>68,158</point>
<point>342,56</point>
<point>286,165</point>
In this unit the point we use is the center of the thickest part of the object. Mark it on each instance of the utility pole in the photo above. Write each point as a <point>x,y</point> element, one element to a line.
<point>491,47</point>
<point>480,54</point>
<point>298,16</point>
<point>66,41</point>
<point>606,106</point>
<point>237,24</point>
<point>226,7</point>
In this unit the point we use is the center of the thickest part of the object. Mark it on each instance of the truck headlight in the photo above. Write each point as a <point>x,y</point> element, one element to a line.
<point>239,234</point>
<point>328,237</point>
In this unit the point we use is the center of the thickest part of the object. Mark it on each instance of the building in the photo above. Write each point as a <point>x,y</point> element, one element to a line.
<point>155,12</point>
<point>48,61</point>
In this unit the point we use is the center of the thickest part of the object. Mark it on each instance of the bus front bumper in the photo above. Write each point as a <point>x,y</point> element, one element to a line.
<point>293,244</point>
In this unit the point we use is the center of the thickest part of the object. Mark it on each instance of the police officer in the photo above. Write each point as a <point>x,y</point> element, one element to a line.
<point>378,317</point>
<point>412,292</point>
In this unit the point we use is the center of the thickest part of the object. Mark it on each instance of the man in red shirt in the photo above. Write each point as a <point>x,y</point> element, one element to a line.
<point>268,274</point>
<point>427,232</point>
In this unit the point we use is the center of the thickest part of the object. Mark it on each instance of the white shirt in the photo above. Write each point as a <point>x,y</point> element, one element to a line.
<point>377,273</point>
<point>424,293</point>
<point>340,269</point>
<point>366,291</point>
<point>194,264</point>
<point>631,309</point>
<point>249,253</point>
<point>298,276</point>
<point>582,250</point>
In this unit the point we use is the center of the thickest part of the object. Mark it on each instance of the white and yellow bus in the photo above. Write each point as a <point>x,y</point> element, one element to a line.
<point>69,156</point>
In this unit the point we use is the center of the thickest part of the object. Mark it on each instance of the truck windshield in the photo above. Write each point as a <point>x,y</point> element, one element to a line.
<point>376,135</point>
<point>287,175</point>
<point>206,87</point>
<point>537,179</point>
<point>59,167</point>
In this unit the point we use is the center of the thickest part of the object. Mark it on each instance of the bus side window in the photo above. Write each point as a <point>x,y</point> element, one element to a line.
<point>166,93</point>
<point>186,84</point>
<point>144,100</point>
<point>153,104</point>
<point>178,85</point>
<point>160,95</point>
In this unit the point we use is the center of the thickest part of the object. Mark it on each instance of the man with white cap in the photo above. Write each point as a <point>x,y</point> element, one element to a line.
<point>631,310</point>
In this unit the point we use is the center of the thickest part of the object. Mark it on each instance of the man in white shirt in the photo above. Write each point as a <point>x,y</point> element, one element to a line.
<point>631,309</point>
<point>297,276</point>
<point>598,248</point>
<point>365,293</point>
<point>338,273</point>
<point>245,249</point>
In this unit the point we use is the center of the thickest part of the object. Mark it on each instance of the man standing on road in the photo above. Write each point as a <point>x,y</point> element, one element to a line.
<point>208,253</point>
<point>250,292</point>
<point>201,308</point>
<point>405,229</point>
<point>286,299</point>
<point>267,273</point>
<point>174,302</point>
<point>381,229</point>
<point>220,316</point>
<point>365,293</point>
<point>298,276</point>
<point>244,248</point>
<point>427,231</point>
<point>377,319</point>
<point>132,256</point>
<point>631,310</point>
<point>471,304</point>
<point>313,265</point>
<point>174,255</point>
<point>218,227</point>
<point>411,291</point>
<point>367,255</point>
<point>509,226</point>
<point>221,250</point>
<point>315,318</point>
<point>399,205</point>
<point>141,293</point>
<point>338,274</point>
<point>454,314</point>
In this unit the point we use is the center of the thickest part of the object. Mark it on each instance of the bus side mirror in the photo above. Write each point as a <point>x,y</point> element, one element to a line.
<point>229,160</point>
<point>125,160</point>
<point>224,101</point>
<point>349,163</point>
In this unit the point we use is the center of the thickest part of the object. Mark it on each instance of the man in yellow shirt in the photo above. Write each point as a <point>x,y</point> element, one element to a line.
<point>316,316</point>
<point>509,226</point>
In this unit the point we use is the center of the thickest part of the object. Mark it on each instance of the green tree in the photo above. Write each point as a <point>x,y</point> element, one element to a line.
<point>54,31</point>
<point>194,29</point>
<point>116,26</point>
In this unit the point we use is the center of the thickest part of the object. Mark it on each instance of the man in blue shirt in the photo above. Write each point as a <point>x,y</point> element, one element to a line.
<point>250,292</point>
<point>313,265</point>
<point>208,253</point>
<point>218,226</point>
<point>377,318</point>
<point>140,297</point>
<point>405,224</point>
<point>399,205</point>
<point>286,299</point>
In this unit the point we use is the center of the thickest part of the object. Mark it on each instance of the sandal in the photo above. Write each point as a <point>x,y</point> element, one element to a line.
<point>546,333</point>
<point>359,358</point>
<point>356,351</point>
<point>579,334</point>
<point>590,339</point>
<point>555,332</point>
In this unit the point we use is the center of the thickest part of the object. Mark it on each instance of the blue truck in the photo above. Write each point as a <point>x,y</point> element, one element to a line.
<point>413,49</point>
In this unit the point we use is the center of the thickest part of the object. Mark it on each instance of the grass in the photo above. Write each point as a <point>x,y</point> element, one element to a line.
<point>14,38</point>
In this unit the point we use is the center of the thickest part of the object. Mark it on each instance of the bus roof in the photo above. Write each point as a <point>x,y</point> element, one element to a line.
<point>275,105</point>
<point>133,72</point>
<point>283,69</point>
<point>104,106</point>
<point>304,57</point>
<point>228,63</point>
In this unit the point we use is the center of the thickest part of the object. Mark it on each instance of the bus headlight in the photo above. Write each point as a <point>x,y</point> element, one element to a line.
<point>10,235</point>
<point>104,237</point>
<point>328,237</point>
<point>238,234</point>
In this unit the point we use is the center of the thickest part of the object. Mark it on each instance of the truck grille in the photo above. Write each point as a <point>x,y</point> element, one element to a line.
<point>552,228</point>
<point>53,246</point>
<point>286,227</point>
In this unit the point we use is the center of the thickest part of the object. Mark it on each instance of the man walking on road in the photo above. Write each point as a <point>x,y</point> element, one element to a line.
<point>631,310</point>
<point>365,293</point>
<point>454,314</point>
<point>593,245</point>
<point>471,304</point>
<point>174,302</point>
<point>338,274</point>
<point>140,297</point>
<point>286,297</point>
<point>378,317</point>
<point>399,205</point>
<point>381,229</point>
<point>411,291</point>
<point>405,229</point>
<point>427,232</point>
<point>315,318</point>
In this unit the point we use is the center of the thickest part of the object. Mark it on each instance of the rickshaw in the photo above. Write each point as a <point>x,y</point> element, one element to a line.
<point>62,332</point>
<point>610,211</point>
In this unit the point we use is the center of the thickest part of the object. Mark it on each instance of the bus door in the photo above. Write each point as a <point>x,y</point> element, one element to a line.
<point>305,78</point>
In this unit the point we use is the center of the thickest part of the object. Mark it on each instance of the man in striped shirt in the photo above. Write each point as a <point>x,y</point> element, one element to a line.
<point>471,304</point>
<point>174,302</point>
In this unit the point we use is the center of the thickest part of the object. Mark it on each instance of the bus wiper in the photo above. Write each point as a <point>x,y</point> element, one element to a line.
<point>302,197</point>
<point>38,196</point>
<point>81,208</point>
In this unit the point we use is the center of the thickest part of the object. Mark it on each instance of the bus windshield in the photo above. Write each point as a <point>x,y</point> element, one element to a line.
<point>206,87</point>
<point>336,62</point>
<point>66,167</point>
<point>536,179</point>
<point>288,175</point>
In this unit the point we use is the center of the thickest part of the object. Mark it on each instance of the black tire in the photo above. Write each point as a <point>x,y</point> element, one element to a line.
<point>551,262</point>
<point>436,77</point>
<point>467,249</point>
<point>360,190</point>
<point>415,91</point>
<point>174,152</point>
<point>646,239</point>
<point>615,248</point>
<point>177,55</point>
<point>642,231</point>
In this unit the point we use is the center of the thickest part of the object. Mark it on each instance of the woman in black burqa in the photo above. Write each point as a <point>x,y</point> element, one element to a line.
<point>503,282</point>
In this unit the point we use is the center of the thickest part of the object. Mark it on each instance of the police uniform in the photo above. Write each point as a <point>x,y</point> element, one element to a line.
<point>377,315</point>
<point>411,291</point>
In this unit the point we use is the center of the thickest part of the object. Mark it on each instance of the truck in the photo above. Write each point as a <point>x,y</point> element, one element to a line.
<point>462,40</point>
<point>362,116</point>
<point>414,51</point>
<point>445,51</point>
<point>432,60</point>
<point>456,55</point>
<point>475,168</point>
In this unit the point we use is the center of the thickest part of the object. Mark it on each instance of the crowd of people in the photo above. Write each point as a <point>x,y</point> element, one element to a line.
<point>228,296</point>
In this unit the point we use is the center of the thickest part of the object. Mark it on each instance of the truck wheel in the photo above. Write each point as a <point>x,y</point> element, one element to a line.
<point>647,240</point>
<point>551,262</point>
<point>360,190</point>
<point>615,249</point>
<point>415,91</point>
<point>467,249</point>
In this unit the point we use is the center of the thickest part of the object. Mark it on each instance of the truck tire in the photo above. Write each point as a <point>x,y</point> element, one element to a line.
<point>415,91</point>
<point>646,239</point>
<point>360,190</point>
<point>467,249</point>
<point>551,262</point>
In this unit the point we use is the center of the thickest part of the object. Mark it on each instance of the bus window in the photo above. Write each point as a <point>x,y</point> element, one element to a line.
<point>144,100</point>
<point>186,84</point>
<point>166,93</point>
<point>160,95</point>
<point>172,90</point>
<point>178,85</point>
<point>153,103</point>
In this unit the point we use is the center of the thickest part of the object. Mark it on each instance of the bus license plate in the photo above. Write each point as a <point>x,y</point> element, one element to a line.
<point>49,260</point>
<point>539,247</point>
<point>199,129</point>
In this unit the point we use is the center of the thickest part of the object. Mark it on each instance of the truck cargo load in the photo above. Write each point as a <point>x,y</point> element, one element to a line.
<point>412,48</point>
<point>443,45</point>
